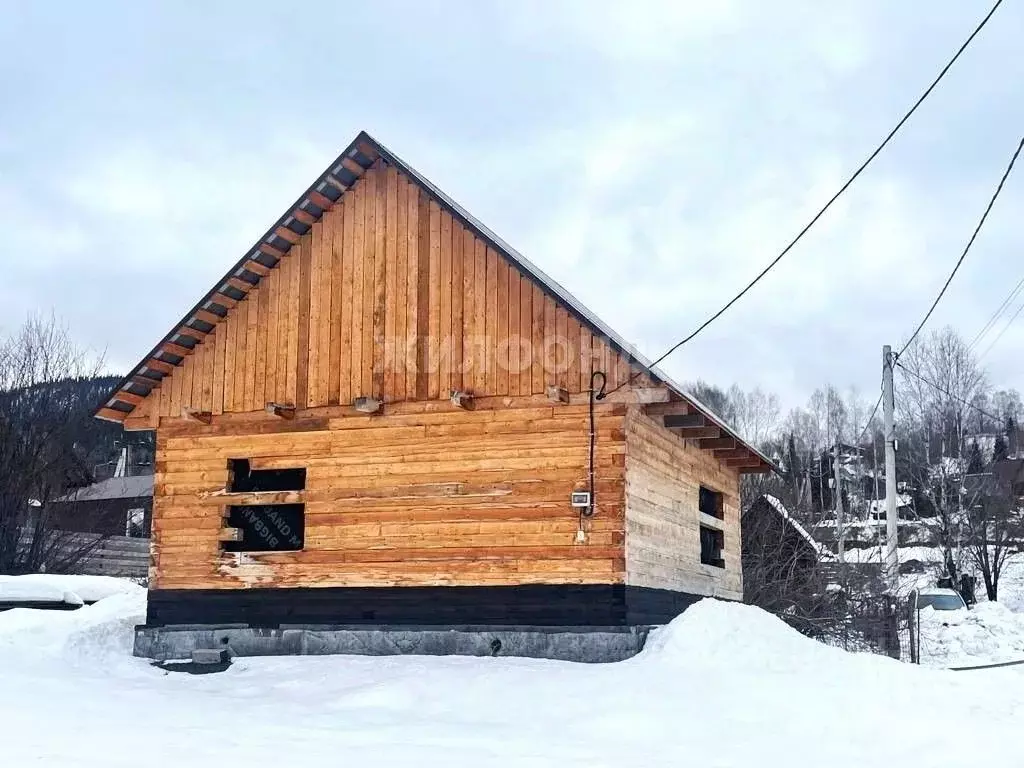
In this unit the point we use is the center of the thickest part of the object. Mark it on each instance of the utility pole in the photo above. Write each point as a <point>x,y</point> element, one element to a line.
<point>840,515</point>
<point>891,522</point>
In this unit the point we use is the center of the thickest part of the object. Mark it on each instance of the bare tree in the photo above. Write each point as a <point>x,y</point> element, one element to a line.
<point>994,522</point>
<point>38,455</point>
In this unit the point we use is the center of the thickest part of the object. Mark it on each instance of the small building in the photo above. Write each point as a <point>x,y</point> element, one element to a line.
<point>784,565</point>
<point>383,416</point>
<point>117,506</point>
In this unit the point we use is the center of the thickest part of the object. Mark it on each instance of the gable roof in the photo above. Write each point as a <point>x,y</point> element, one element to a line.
<point>822,552</point>
<point>297,220</point>
<point>132,487</point>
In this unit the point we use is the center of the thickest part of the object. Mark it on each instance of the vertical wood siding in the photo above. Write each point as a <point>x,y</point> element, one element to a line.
<point>387,296</point>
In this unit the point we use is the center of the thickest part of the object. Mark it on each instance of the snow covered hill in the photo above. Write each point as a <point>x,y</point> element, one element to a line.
<point>723,685</point>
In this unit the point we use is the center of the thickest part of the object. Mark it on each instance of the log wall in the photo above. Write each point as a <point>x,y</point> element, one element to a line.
<point>663,476</point>
<point>426,494</point>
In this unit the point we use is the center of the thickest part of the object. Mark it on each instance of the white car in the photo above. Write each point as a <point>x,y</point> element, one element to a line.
<point>939,599</point>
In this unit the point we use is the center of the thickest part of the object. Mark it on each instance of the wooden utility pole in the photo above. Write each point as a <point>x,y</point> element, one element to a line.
<point>840,514</point>
<point>891,522</point>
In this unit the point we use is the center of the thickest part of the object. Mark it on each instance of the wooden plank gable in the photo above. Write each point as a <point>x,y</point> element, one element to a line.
<point>375,284</point>
<point>385,271</point>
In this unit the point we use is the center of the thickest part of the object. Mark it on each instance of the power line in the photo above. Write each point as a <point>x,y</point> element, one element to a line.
<point>860,169</point>
<point>867,425</point>
<point>967,248</point>
<point>997,314</point>
<point>1000,334</point>
<point>947,392</point>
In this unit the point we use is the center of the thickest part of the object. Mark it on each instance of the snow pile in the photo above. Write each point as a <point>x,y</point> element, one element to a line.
<point>90,633</point>
<point>987,634</point>
<point>88,588</point>
<point>1011,583</point>
<point>708,631</point>
<point>723,685</point>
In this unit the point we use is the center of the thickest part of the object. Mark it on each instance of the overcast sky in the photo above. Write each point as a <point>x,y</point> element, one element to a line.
<point>651,157</point>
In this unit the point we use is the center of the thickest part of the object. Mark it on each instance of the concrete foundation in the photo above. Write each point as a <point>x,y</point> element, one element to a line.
<point>583,644</point>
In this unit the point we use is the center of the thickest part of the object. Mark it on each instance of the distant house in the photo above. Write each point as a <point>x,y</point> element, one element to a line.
<point>118,506</point>
<point>383,415</point>
<point>781,559</point>
<point>1002,479</point>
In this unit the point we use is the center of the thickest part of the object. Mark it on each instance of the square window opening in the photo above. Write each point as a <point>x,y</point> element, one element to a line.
<point>710,503</point>
<point>244,479</point>
<point>267,527</point>
<point>712,542</point>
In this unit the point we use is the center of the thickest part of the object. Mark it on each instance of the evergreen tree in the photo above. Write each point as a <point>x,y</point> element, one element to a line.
<point>1000,451</point>
<point>975,463</point>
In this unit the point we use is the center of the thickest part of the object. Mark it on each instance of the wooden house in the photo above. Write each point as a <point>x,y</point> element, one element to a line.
<point>384,415</point>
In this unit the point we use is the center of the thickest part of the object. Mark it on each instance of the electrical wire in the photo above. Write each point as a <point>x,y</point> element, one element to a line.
<point>997,314</point>
<point>1000,334</point>
<point>849,182</point>
<point>948,393</point>
<point>867,426</point>
<point>967,248</point>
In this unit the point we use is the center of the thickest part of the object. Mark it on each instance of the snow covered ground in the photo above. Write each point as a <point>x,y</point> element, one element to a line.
<point>1011,583</point>
<point>723,685</point>
<point>988,633</point>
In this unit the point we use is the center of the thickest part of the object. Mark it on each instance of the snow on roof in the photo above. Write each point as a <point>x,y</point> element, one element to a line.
<point>16,589</point>
<point>905,554</point>
<point>115,488</point>
<point>822,551</point>
<point>878,505</point>
<point>87,587</point>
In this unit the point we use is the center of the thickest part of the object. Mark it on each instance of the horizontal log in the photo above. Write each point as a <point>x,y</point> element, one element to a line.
<point>320,201</point>
<point>288,235</point>
<point>367,151</point>
<point>207,316</point>
<point>128,397</point>
<point>693,433</point>
<point>351,165</point>
<point>675,408</point>
<point>674,421</point>
<point>175,349</point>
<point>270,250</point>
<point>159,365</point>
<point>110,414</point>
<point>256,268</point>
<point>336,183</point>
<point>718,444</point>
<point>254,497</point>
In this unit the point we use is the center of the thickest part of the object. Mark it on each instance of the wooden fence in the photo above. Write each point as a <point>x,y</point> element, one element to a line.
<point>117,556</point>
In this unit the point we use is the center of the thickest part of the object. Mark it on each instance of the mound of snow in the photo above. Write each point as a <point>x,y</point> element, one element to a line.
<point>989,633</point>
<point>716,633</point>
<point>100,630</point>
<point>715,629</point>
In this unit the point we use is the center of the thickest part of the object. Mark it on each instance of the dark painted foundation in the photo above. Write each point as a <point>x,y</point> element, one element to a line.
<point>538,605</point>
<point>586,623</point>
